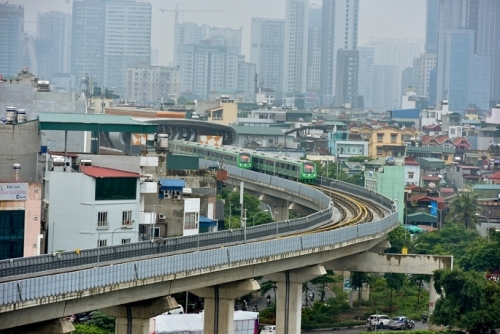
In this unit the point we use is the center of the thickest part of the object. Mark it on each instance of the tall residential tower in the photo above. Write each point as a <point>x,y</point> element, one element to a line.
<point>267,52</point>
<point>339,31</point>
<point>11,39</point>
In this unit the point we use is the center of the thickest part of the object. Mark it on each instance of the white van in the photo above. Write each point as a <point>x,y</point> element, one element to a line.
<point>178,310</point>
<point>268,330</point>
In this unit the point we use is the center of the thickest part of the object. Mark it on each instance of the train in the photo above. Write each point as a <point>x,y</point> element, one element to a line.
<point>283,166</point>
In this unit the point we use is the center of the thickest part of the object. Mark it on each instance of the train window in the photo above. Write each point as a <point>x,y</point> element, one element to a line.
<point>244,157</point>
<point>308,167</point>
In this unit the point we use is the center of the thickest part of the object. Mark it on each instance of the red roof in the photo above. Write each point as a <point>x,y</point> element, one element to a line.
<point>495,176</point>
<point>411,161</point>
<point>430,178</point>
<point>103,172</point>
<point>423,198</point>
<point>447,190</point>
<point>411,187</point>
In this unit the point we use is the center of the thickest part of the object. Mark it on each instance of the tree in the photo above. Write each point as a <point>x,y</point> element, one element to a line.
<point>464,207</point>
<point>452,239</point>
<point>482,254</point>
<point>357,280</point>
<point>398,239</point>
<point>103,321</point>
<point>418,280</point>
<point>395,282</point>
<point>471,302</point>
<point>182,100</point>
<point>359,158</point>
<point>267,286</point>
<point>321,282</point>
<point>90,329</point>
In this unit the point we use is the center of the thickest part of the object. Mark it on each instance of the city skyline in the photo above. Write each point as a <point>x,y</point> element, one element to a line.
<point>407,20</point>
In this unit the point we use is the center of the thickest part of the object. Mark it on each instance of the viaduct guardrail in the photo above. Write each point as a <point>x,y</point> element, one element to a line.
<point>50,285</point>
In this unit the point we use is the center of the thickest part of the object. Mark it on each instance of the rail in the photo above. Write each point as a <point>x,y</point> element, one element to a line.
<point>193,260</point>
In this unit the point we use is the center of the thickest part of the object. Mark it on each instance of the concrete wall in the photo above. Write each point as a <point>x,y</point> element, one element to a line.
<point>73,212</point>
<point>122,162</point>
<point>391,183</point>
<point>19,144</point>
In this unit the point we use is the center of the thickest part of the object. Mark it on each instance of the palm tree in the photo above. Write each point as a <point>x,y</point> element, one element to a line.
<point>464,207</point>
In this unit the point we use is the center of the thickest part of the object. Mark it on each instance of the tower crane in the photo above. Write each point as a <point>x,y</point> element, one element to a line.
<point>177,11</point>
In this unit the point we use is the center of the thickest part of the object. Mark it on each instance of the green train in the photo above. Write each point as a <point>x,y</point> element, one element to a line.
<point>231,155</point>
<point>286,167</point>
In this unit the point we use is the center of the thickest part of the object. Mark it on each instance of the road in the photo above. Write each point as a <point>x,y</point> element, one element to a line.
<point>418,326</point>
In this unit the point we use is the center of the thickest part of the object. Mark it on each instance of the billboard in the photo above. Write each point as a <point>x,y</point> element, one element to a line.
<point>211,140</point>
<point>13,191</point>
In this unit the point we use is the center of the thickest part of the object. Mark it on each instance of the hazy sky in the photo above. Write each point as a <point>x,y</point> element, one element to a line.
<point>377,18</point>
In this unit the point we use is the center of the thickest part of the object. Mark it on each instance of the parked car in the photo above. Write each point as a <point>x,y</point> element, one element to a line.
<point>379,320</point>
<point>268,330</point>
<point>178,310</point>
<point>399,322</point>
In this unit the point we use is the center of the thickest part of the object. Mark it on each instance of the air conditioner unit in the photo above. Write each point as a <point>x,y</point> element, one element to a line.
<point>178,196</point>
<point>148,177</point>
<point>162,216</point>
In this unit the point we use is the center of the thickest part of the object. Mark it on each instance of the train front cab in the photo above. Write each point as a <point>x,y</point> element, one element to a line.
<point>308,172</point>
<point>245,160</point>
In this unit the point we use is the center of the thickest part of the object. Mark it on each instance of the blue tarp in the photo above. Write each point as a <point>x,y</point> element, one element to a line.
<point>206,222</point>
<point>434,211</point>
<point>171,184</point>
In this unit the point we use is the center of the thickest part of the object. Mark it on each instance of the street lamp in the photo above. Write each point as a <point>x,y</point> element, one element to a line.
<point>113,233</point>
<point>276,215</point>
<point>258,213</point>
<point>440,216</point>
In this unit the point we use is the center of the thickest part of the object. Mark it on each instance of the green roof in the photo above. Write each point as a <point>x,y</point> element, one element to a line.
<point>258,130</point>
<point>486,186</point>
<point>376,162</point>
<point>414,149</point>
<point>422,217</point>
<point>94,122</point>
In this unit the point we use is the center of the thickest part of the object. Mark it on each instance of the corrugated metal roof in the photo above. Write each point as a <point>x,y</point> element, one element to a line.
<point>258,130</point>
<point>486,187</point>
<point>93,122</point>
<point>103,172</point>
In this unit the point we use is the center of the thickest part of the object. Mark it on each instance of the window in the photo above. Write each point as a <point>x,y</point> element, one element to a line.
<point>380,137</point>
<point>379,151</point>
<point>271,141</point>
<point>410,175</point>
<point>394,137</point>
<point>157,232</point>
<point>102,243</point>
<point>191,220</point>
<point>12,232</point>
<point>102,219</point>
<point>126,217</point>
<point>117,188</point>
<point>125,241</point>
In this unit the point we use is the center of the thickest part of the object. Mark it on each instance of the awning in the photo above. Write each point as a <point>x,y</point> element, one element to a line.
<point>171,184</point>
<point>207,222</point>
<point>413,229</point>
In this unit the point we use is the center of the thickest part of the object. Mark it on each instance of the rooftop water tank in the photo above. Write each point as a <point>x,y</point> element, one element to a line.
<point>10,114</point>
<point>21,116</point>
<point>16,172</point>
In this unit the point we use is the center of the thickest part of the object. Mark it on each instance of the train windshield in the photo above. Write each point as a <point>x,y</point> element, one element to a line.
<point>244,157</point>
<point>308,167</point>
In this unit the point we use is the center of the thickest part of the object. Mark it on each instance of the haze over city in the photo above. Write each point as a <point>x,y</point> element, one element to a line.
<point>377,18</point>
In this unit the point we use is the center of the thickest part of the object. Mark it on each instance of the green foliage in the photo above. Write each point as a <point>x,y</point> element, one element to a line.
<point>398,238</point>
<point>482,255</point>
<point>357,280</point>
<point>359,158</point>
<point>463,209</point>
<point>90,329</point>
<point>452,239</point>
<point>103,321</point>
<point>330,170</point>
<point>324,313</point>
<point>321,282</point>
<point>182,100</point>
<point>232,208</point>
<point>471,302</point>
<point>268,315</point>
<point>395,282</point>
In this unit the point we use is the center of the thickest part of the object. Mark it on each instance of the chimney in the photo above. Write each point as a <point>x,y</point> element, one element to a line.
<point>16,172</point>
